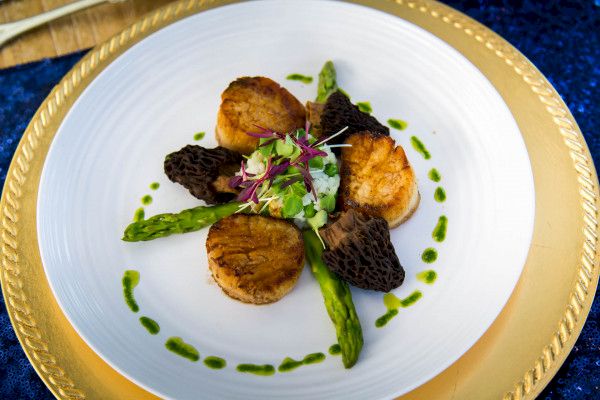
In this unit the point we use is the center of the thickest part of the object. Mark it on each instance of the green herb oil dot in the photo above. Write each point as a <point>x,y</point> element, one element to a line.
<point>420,147</point>
<point>289,364</point>
<point>385,318</point>
<point>181,348</point>
<point>434,175</point>
<point>412,299</point>
<point>429,255</point>
<point>439,232</point>
<point>335,349</point>
<point>391,301</point>
<point>151,325</point>
<point>263,370</point>
<point>154,185</point>
<point>147,200</point>
<point>130,280</point>
<point>439,195</point>
<point>313,358</point>
<point>213,362</point>
<point>299,77</point>
<point>365,107</point>
<point>139,215</point>
<point>427,277</point>
<point>397,124</point>
<point>199,135</point>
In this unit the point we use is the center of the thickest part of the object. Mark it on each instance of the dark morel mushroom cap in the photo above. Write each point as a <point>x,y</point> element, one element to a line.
<point>339,113</point>
<point>360,252</point>
<point>204,172</point>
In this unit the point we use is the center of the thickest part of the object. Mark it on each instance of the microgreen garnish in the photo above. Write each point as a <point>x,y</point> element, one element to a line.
<point>289,158</point>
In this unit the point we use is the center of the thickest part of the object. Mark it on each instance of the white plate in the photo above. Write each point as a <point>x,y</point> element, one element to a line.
<point>151,101</point>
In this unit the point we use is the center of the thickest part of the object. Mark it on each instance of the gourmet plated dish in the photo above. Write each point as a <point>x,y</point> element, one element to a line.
<point>322,182</point>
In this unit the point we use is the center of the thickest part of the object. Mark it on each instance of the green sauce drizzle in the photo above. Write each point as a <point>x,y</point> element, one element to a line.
<point>365,107</point>
<point>397,124</point>
<point>393,303</point>
<point>385,318</point>
<point>151,325</point>
<point>390,301</point>
<point>439,195</point>
<point>130,280</point>
<point>289,364</point>
<point>420,147</point>
<point>434,175</point>
<point>181,348</point>
<point>263,370</point>
<point>213,362</point>
<point>154,185</point>
<point>139,215</point>
<point>335,349</point>
<point>427,277</point>
<point>439,232</point>
<point>314,358</point>
<point>412,299</point>
<point>199,135</point>
<point>429,255</point>
<point>300,77</point>
<point>147,200</point>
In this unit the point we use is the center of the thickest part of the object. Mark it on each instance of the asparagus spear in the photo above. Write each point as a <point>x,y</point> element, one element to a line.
<point>327,82</point>
<point>338,301</point>
<point>185,221</point>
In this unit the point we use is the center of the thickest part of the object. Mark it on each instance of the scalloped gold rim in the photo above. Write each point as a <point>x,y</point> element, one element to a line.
<point>20,189</point>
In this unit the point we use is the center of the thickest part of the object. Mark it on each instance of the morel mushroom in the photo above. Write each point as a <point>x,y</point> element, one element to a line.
<point>204,172</point>
<point>339,113</point>
<point>359,250</point>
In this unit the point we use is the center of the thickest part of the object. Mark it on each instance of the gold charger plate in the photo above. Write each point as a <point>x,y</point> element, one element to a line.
<point>516,357</point>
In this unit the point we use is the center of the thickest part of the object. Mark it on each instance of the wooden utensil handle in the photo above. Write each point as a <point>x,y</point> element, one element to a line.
<point>12,29</point>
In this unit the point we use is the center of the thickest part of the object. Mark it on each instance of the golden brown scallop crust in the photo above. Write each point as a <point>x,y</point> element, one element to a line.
<point>377,179</point>
<point>255,259</point>
<point>251,101</point>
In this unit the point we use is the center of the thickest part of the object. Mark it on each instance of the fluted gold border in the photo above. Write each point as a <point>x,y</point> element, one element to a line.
<point>23,285</point>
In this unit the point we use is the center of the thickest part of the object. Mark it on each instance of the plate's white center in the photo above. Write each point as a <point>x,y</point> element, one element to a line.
<point>152,100</point>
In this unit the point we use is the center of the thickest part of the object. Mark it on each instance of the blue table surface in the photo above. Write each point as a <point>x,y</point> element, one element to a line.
<point>562,38</point>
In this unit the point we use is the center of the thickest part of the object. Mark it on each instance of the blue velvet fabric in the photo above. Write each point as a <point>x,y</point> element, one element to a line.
<point>562,38</point>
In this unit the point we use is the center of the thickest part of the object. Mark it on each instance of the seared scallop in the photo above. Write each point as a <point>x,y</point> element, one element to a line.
<point>251,102</point>
<point>255,259</point>
<point>377,179</point>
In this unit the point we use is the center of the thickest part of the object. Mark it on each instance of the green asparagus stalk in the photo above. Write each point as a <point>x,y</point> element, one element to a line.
<point>327,82</point>
<point>338,301</point>
<point>190,220</point>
